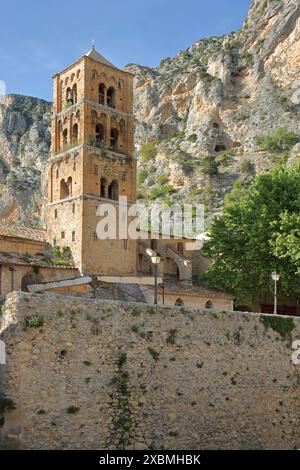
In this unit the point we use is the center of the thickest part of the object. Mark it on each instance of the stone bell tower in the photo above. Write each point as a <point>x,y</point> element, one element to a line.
<point>91,162</point>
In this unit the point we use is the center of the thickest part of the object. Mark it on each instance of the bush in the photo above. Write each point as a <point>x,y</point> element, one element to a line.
<point>34,321</point>
<point>142,176</point>
<point>281,140</point>
<point>209,165</point>
<point>193,138</point>
<point>247,166</point>
<point>162,179</point>
<point>148,151</point>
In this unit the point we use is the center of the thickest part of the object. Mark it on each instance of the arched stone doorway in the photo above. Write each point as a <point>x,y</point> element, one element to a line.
<point>30,278</point>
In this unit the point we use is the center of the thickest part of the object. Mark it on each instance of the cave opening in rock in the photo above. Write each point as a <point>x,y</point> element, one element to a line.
<point>220,148</point>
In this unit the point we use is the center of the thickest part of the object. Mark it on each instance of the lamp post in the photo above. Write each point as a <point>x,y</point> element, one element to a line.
<point>155,258</point>
<point>275,276</point>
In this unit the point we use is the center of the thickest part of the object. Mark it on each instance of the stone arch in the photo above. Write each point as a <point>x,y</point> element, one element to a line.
<point>65,137</point>
<point>74,93</point>
<point>65,188</point>
<point>94,74</point>
<point>179,303</point>
<point>75,133</point>
<point>30,278</point>
<point>94,117</point>
<point>103,187</point>
<point>113,190</point>
<point>99,132</point>
<point>114,137</point>
<point>102,93</point>
<point>111,97</point>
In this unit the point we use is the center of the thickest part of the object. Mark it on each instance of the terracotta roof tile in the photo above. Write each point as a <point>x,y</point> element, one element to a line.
<point>23,232</point>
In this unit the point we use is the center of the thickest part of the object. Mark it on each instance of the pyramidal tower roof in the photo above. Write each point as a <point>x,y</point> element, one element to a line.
<point>93,54</point>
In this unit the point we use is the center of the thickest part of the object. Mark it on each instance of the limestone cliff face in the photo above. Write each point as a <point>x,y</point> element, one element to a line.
<point>24,149</point>
<point>214,99</point>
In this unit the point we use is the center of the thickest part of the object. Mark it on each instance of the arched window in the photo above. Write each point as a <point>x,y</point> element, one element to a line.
<point>110,98</point>
<point>65,137</point>
<point>69,96</point>
<point>209,305</point>
<point>99,133</point>
<point>179,303</point>
<point>102,93</point>
<point>114,139</point>
<point>180,248</point>
<point>154,245</point>
<point>64,189</point>
<point>75,133</point>
<point>74,92</point>
<point>69,183</point>
<point>103,184</point>
<point>113,191</point>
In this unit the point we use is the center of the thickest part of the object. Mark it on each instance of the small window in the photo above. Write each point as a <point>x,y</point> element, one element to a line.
<point>54,242</point>
<point>179,303</point>
<point>73,236</point>
<point>55,213</point>
<point>57,173</point>
<point>73,208</point>
<point>62,235</point>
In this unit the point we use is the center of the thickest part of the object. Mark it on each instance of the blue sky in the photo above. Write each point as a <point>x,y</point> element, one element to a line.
<point>39,38</point>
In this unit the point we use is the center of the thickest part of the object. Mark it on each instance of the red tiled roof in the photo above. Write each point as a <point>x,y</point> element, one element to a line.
<point>23,232</point>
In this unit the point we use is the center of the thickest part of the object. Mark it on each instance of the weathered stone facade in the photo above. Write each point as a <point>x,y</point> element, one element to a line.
<point>103,374</point>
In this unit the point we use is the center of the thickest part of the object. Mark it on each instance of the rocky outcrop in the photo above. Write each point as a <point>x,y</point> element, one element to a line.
<point>24,149</point>
<point>215,99</point>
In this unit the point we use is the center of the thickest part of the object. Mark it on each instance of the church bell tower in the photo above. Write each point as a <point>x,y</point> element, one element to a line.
<point>92,162</point>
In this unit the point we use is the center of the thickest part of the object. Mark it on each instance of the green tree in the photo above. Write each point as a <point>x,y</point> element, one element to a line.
<point>258,232</point>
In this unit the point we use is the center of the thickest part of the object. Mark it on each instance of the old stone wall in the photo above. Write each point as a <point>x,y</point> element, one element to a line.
<point>102,374</point>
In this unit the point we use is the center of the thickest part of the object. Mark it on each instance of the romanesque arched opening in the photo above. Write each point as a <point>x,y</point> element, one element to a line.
<point>180,248</point>
<point>99,133</point>
<point>69,184</point>
<point>110,98</point>
<point>65,136</point>
<point>75,133</point>
<point>69,96</point>
<point>65,188</point>
<point>103,186</point>
<point>179,303</point>
<point>30,278</point>
<point>102,93</point>
<point>114,134</point>
<point>113,190</point>
<point>74,93</point>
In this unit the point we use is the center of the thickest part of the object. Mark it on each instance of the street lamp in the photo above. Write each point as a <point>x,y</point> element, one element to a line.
<point>155,258</point>
<point>275,276</point>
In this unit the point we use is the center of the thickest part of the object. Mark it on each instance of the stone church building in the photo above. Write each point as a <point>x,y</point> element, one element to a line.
<point>92,163</point>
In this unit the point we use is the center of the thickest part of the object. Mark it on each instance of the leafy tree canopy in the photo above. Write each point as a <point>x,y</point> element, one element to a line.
<point>258,232</point>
